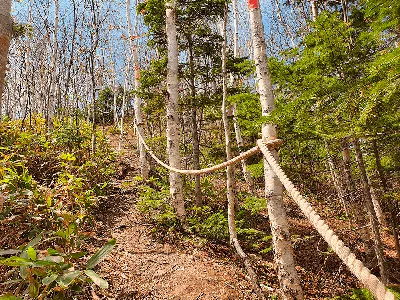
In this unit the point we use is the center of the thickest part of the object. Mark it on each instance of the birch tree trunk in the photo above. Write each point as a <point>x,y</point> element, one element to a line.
<point>314,9</point>
<point>336,182</point>
<point>144,164</point>
<point>173,134</point>
<point>229,170</point>
<point>238,134</point>
<point>372,216</point>
<point>53,82</point>
<point>289,281</point>
<point>5,36</point>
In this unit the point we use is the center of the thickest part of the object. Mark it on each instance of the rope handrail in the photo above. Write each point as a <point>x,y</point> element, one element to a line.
<point>370,281</point>
<point>235,160</point>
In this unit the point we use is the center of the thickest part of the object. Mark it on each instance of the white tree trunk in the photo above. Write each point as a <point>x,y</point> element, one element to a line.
<point>289,281</point>
<point>53,87</point>
<point>144,164</point>
<point>314,9</point>
<point>238,134</point>
<point>173,134</point>
<point>230,174</point>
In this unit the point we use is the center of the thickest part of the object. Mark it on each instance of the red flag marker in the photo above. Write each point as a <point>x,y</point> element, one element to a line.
<point>253,4</point>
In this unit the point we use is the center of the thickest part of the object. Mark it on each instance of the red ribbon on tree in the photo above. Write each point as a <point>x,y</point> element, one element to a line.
<point>253,4</point>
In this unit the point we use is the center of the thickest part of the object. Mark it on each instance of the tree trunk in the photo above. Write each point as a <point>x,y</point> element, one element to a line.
<point>289,281</point>
<point>314,9</point>
<point>229,171</point>
<point>53,82</point>
<point>238,134</point>
<point>133,46</point>
<point>195,134</point>
<point>336,182</point>
<point>391,202</point>
<point>173,134</point>
<point>355,203</point>
<point>370,208</point>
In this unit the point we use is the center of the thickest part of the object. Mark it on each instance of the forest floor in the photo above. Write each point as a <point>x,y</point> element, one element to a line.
<point>145,266</point>
<point>148,265</point>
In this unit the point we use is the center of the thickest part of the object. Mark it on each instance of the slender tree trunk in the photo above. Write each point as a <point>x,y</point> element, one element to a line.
<point>336,182</point>
<point>288,278</point>
<point>195,133</point>
<point>355,203</point>
<point>370,208</point>
<point>121,125</point>
<point>391,202</point>
<point>229,170</point>
<point>5,36</point>
<point>173,134</point>
<point>144,163</point>
<point>53,83</point>
<point>238,134</point>
<point>377,206</point>
<point>314,9</point>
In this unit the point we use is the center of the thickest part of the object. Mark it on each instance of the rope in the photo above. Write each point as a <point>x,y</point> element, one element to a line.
<point>369,280</point>
<point>235,160</point>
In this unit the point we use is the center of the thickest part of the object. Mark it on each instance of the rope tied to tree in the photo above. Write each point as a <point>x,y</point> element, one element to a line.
<point>271,144</point>
<point>370,281</point>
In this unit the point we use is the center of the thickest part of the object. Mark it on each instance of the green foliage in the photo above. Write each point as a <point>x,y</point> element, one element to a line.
<point>215,227</point>
<point>50,181</point>
<point>155,206</point>
<point>53,273</point>
<point>254,204</point>
<point>358,294</point>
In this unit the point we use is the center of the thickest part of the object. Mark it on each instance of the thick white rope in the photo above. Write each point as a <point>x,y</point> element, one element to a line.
<point>230,162</point>
<point>369,280</point>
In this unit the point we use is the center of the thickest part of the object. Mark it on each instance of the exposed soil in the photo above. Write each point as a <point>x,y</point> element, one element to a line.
<point>143,267</point>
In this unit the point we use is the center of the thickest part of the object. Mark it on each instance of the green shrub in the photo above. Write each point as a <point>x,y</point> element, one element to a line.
<point>154,205</point>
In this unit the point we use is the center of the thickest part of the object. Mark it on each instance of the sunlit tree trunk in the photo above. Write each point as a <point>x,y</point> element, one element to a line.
<point>238,134</point>
<point>173,134</point>
<point>229,170</point>
<point>392,202</point>
<point>53,83</point>
<point>134,50</point>
<point>314,9</point>
<point>288,278</point>
<point>370,208</point>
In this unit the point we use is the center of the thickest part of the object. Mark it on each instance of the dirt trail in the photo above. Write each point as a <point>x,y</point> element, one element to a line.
<point>141,267</point>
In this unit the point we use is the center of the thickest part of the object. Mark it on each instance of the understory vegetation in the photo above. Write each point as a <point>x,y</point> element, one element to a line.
<point>49,183</point>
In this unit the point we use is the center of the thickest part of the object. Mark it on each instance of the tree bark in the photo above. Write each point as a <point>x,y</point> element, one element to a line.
<point>229,171</point>
<point>134,51</point>
<point>195,134</point>
<point>314,9</point>
<point>288,278</point>
<point>336,182</point>
<point>355,203</point>
<point>370,208</point>
<point>173,134</point>
<point>53,82</point>
<point>238,134</point>
<point>392,202</point>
